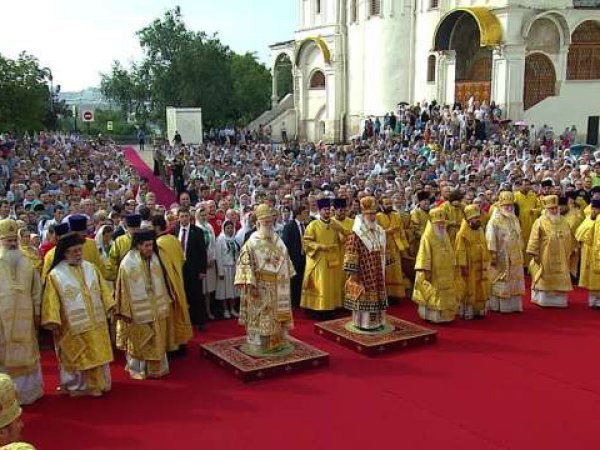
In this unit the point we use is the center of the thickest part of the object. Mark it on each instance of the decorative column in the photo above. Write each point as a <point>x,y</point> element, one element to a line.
<point>446,75</point>
<point>274,95</point>
<point>508,77</point>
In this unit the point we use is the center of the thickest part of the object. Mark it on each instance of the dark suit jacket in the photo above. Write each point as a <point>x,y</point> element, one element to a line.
<point>195,256</point>
<point>293,241</point>
<point>249,233</point>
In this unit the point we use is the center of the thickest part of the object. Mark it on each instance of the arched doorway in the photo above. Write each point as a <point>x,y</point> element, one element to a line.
<point>540,79</point>
<point>283,75</point>
<point>470,33</point>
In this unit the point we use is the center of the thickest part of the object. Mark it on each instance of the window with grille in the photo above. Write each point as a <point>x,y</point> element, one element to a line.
<point>431,69</point>
<point>583,62</point>
<point>434,4</point>
<point>375,7</point>
<point>317,81</point>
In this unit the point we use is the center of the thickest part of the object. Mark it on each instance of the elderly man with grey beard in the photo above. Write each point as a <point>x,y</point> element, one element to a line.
<point>20,301</point>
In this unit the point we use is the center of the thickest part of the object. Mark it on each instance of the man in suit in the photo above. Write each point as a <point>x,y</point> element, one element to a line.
<point>194,269</point>
<point>292,238</point>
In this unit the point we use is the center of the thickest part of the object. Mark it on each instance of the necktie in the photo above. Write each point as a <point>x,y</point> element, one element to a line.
<point>184,240</point>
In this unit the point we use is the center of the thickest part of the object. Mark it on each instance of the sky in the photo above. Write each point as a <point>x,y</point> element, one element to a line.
<point>79,39</point>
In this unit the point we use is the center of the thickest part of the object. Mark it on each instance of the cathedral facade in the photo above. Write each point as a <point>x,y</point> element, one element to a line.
<point>539,60</point>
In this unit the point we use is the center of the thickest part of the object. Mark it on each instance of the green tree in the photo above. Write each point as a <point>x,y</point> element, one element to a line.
<point>183,68</point>
<point>25,99</point>
<point>251,88</point>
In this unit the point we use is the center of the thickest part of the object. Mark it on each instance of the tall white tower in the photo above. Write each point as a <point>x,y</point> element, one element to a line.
<point>380,57</point>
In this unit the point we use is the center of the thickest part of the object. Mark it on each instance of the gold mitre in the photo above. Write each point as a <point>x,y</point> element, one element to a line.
<point>472,212</point>
<point>263,212</point>
<point>550,201</point>
<point>506,198</point>
<point>8,229</point>
<point>18,446</point>
<point>368,205</point>
<point>437,215</point>
<point>9,405</point>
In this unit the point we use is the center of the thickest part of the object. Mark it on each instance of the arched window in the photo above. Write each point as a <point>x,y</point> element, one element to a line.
<point>375,8</point>
<point>318,6</point>
<point>540,79</point>
<point>317,81</point>
<point>434,4</point>
<point>584,52</point>
<point>353,11</point>
<point>431,69</point>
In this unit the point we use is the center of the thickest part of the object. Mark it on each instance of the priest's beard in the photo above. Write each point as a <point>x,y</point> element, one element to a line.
<point>439,230</point>
<point>371,225</point>
<point>554,217</point>
<point>266,231</point>
<point>11,257</point>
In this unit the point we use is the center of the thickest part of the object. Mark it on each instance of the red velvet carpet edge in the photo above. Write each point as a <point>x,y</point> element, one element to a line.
<point>524,381</point>
<point>164,195</point>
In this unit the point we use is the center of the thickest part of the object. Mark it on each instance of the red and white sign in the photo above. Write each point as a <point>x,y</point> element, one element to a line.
<point>87,115</point>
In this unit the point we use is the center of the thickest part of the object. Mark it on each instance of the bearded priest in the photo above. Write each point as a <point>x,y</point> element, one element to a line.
<point>588,234</point>
<point>553,250</point>
<point>472,259</point>
<point>144,305</point>
<point>76,303</point>
<point>503,237</point>
<point>435,283</point>
<point>263,275</point>
<point>365,263</point>
<point>20,301</point>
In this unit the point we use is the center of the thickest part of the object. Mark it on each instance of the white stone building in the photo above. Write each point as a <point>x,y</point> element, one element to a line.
<point>350,59</point>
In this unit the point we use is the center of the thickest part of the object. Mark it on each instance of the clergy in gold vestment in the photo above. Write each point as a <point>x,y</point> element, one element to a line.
<point>504,242</point>
<point>11,425</point>
<point>76,303</point>
<point>345,225</point>
<point>171,253</point>
<point>20,300</point>
<point>90,254</point>
<point>553,250</point>
<point>28,250</point>
<point>418,221</point>
<point>588,235</point>
<point>571,211</point>
<point>454,213</point>
<point>397,248</point>
<point>435,283</point>
<point>365,262</point>
<point>472,259</point>
<point>322,285</point>
<point>263,275</point>
<point>121,246</point>
<point>529,209</point>
<point>144,307</point>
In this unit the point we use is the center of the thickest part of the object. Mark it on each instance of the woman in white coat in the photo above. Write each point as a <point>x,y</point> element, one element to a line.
<point>227,252</point>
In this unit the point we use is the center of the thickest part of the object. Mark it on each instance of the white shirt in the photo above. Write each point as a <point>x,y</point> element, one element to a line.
<point>183,229</point>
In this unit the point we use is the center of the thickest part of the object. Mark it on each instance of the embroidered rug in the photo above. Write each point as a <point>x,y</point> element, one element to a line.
<point>229,355</point>
<point>403,335</point>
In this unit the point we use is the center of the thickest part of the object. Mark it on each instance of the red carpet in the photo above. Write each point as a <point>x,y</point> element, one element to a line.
<point>508,382</point>
<point>164,195</point>
<point>526,381</point>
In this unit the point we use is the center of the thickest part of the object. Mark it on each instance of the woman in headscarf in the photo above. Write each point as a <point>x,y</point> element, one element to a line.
<point>28,249</point>
<point>104,241</point>
<point>227,252</point>
<point>210,282</point>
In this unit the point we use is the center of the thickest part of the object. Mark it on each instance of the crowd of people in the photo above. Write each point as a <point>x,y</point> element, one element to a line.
<point>466,204</point>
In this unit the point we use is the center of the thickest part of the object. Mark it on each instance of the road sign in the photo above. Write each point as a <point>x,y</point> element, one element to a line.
<point>109,125</point>
<point>87,115</point>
